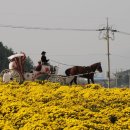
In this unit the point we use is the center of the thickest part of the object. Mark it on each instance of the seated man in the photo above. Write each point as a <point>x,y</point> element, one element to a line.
<point>39,66</point>
<point>44,59</point>
<point>17,62</point>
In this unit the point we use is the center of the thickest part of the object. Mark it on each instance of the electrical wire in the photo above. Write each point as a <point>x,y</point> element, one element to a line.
<point>123,32</point>
<point>45,28</point>
<point>126,57</point>
<point>56,29</point>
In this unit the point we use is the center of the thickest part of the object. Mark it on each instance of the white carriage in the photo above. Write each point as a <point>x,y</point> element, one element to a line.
<point>16,70</point>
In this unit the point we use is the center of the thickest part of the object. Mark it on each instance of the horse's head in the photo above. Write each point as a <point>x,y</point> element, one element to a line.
<point>96,66</point>
<point>99,67</point>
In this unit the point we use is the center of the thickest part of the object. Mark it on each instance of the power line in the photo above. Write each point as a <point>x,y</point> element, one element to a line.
<point>58,28</point>
<point>121,56</point>
<point>123,32</point>
<point>45,28</point>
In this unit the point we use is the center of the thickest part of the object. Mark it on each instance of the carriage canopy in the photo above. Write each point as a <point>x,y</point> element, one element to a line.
<point>18,60</point>
<point>16,56</point>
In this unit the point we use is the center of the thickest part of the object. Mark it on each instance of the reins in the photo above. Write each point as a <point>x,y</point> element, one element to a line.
<point>74,65</point>
<point>72,75</point>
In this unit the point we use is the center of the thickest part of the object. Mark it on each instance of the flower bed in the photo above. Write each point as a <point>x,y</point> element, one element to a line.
<point>51,106</point>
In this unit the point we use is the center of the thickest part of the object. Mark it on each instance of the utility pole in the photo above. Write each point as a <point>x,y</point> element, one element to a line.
<point>116,78</point>
<point>129,78</point>
<point>108,53</point>
<point>106,36</point>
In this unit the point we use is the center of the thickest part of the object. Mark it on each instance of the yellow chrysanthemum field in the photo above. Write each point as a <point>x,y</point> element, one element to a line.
<point>51,106</point>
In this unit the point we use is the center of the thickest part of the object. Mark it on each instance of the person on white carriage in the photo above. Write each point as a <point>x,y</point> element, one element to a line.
<point>42,68</point>
<point>12,64</point>
<point>17,62</point>
<point>39,66</point>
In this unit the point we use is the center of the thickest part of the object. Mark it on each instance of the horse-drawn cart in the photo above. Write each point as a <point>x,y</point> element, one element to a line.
<point>16,70</point>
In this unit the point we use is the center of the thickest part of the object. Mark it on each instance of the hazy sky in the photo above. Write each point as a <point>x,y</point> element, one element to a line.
<point>67,47</point>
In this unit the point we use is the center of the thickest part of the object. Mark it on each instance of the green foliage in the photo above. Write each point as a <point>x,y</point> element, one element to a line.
<point>4,53</point>
<point>28,64</point>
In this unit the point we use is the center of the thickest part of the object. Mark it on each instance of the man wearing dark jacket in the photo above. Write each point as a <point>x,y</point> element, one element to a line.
<point>44,59</point>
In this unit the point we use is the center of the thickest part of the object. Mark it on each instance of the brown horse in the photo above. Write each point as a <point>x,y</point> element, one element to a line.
<point>85,72</point>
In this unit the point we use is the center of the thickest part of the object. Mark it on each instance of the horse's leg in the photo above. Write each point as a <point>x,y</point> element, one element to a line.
<point>88,81</point>
<point>75,79</point>
<point>71,82</point>
<point>92,79</point>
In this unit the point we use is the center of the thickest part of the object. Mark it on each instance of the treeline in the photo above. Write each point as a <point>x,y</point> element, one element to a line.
<point>5,52</point>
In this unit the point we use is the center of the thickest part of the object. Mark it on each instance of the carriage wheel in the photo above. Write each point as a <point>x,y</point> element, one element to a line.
<point>2,73</point>
<point>15,76</point>
<point>8,75</point>
<point>52,78</point>
<point>59,79</point>
<point>56,78</point>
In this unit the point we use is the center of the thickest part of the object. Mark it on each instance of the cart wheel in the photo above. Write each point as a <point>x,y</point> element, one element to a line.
<point>60,79</point>
<point>56,78</point>
<point>52,78</point>
<point>10,76</point>
<point>15,76</point>
<point>6,71</point>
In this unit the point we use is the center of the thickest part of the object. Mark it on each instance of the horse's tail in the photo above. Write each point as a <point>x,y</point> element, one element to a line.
<point>67,72</point>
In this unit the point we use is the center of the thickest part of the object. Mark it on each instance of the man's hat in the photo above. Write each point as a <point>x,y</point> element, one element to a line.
<point>43,52</point>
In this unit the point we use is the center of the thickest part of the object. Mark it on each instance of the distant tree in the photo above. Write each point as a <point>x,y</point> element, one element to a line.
<point>125,79</point>
<point>28,64</point>
<point>5,52</point>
